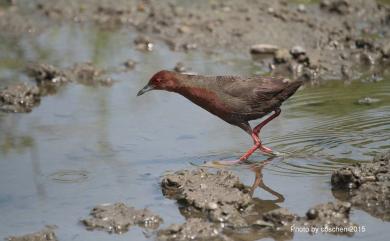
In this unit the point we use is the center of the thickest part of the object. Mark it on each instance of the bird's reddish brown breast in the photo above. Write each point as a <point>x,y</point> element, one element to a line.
<point>207,100</point>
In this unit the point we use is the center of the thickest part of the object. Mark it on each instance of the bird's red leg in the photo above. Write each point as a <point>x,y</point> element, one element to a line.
<point>256,139</point>
<point>246,155</point>
<point>256,131</point>
<point>253,149</point>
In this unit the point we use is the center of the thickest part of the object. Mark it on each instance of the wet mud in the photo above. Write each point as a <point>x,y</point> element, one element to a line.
<point>222,210</point>
<point>193,229</point>
<point>366,185</point>
<point>331,217</point>
<point>46,234</point>
<point>19,98</point>
<point>87,74</point>
<point>118,218</point>
<point>48,80</point>
<point>220,198</point>
<point>129,64</point>
<point>307,40</point>
<point>81,73</point>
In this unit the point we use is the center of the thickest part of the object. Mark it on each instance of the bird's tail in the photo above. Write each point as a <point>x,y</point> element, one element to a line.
<point>291,88</point>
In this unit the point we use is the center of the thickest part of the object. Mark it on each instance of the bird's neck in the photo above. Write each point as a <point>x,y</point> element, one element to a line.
<point>196,90</point>
<point>199,90</point>
<point>189,86</point>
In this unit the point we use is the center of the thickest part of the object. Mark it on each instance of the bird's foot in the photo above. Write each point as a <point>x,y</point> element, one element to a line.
<point>221,163</point>
<point>243,159</point>
<point>273,153</point>
<point>264,149</point>
<point>268,151</point>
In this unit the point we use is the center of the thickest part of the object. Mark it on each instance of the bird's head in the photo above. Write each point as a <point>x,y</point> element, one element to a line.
<point>162,80</point>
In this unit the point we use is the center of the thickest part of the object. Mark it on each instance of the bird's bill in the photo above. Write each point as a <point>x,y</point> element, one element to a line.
<point>145,89</point>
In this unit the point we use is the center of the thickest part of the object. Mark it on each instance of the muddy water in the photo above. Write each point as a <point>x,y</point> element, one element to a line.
<point>90,145</point>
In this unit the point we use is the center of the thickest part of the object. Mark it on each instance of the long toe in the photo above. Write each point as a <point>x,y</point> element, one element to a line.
<point>270,153</point>
<point>265,149</point>
<point>221,163</point>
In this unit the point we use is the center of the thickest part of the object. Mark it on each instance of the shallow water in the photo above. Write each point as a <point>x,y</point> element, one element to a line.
<point>89,145</point>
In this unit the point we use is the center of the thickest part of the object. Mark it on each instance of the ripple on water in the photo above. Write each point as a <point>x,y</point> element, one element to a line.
<point>334,129</point>
<point>69,176</point>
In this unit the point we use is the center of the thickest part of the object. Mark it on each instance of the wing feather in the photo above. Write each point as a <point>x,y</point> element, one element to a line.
<point>252,88</point>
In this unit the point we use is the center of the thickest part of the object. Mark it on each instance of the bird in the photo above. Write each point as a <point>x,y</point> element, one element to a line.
<point>234,99</point>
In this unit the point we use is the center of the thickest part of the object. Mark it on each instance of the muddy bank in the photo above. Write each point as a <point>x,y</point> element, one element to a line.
<point>221,196</point>
<point>46,234</point>
<point>48,80</point>
<point>331,39</point>
<point>118,218</point>
<point>48,76</point>
<point>217,206</point>
<point>193,229</point>
<point>279,224</point>
<point>19,98</point>
<point>224,206</point>
<point>330,218</point>
<point>217,197</point>
<point>366,185</point>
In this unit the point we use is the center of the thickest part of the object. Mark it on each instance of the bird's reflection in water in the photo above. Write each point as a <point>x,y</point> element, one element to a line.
<point>260,204</point>
<point>260,207</point>
<point>263,205</point>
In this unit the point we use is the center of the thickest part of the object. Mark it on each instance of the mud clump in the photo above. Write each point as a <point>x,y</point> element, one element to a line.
<point>87,74</point>
<point>275,224</point>
<point>47,74</point>
<point>374,199</point>
<point>279,218</point>
<point>367,185</point>
<point>118,218</point>
<point>331,218</point>
<point>50,77</point>
<point>263,49</point>
<point>181,68</point>
<point>143,43</point>
<point>129,64</point>
<point>378,170</point>
<point>19,98</point>
<point>220,196</point>
<point>220,202</point>
<point>217,202</point>
<point>295,62</point>
<point>200,188</point>
<point>46,234</point>
<point>193,229</point>
<point>336,6</point>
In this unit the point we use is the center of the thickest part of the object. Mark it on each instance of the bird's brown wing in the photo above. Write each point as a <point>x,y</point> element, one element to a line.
<point>256,92</point>
<point>253,89</point>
